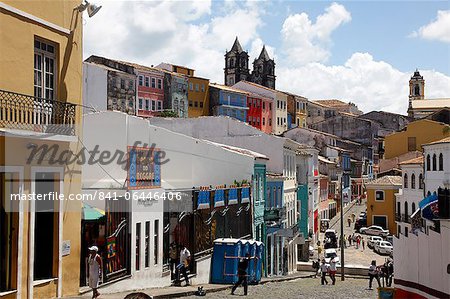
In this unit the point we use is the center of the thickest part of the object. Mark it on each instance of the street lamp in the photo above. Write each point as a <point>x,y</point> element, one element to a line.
<point>342,222</point>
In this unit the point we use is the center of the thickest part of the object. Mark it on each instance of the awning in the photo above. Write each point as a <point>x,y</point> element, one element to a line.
<point>92,214</point>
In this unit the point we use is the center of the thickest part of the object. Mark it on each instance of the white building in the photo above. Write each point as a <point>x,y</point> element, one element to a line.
<point>422,258</point>
<point>407,200</point>
<point>186,162</point>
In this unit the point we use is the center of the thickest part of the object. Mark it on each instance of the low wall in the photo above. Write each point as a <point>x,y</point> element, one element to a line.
<point>351,270</point>
<point>203,270</point>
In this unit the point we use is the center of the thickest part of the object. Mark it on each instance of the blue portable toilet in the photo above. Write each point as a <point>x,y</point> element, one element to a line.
<point>253,264</point>
<point>259,260</point>
<point>225,260</point>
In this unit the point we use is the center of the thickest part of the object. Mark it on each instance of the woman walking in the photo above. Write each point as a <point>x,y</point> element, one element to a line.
<point>95,270</point>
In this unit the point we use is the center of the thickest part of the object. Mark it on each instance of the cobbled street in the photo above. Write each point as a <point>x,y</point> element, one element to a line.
<point>303,288</point>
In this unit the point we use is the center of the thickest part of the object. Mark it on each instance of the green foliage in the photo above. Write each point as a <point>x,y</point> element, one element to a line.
<point>168,113</point>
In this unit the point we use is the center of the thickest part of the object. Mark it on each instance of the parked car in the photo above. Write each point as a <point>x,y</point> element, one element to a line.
<point>331,253</point>
<point>362,215</point>
<point>390,239</point>
<point>372,240</point>
<point>362,222</point>
<point>383,247</point>
<point>374,230</point>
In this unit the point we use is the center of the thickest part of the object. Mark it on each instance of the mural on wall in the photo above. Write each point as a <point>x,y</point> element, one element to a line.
<point>144,171</point>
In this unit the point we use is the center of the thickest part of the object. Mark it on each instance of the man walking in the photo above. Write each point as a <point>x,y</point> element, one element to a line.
<point>333,270</point>
<point>324,270</point>
<point>363,242</point>
<point>185,259</point>
<point>373,273</point>
<point>349,221</point>
<point>95,270</point>
<point>242,274</point>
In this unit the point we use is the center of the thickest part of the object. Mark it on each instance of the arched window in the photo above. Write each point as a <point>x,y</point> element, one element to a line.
<point>406,210</point>
<point>441,162</point>
<point>413,207</point>
<point>420,181</point>
<point>398,208</point>
<point>413,181</point>
<point>417,90</point>
<point>405,180</point>
<point>428,163</point>
<point>434,162</point>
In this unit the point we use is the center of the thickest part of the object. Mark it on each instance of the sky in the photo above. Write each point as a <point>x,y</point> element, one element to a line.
<point>357,51</point>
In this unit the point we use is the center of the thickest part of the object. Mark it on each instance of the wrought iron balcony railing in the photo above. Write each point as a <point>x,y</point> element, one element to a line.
<point>405,218</point>
<point>24,112</point>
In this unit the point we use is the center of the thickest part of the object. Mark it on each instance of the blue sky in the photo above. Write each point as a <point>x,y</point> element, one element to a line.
<point>359,51</point>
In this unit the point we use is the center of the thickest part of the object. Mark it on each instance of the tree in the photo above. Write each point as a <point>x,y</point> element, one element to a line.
<point>168,113</point>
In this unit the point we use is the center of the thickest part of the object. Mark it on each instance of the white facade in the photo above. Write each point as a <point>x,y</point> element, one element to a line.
<point>437,165</point>
<point>279,119</point>
<point>95,87</point>
<point>187,162</point>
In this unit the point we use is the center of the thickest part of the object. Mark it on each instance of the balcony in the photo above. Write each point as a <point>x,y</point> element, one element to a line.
<point>23,112</point>
<point>405,218</point>
<point>398,217</point>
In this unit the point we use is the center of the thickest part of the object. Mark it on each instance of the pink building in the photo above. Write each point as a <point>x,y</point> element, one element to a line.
<point>150,90</point>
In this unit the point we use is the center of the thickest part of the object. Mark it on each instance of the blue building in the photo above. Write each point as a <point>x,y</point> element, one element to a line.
<point>228,101</point>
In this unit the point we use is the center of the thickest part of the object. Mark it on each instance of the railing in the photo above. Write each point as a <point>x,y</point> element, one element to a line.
<point>398,217</point>
<point>405,218</point>
<point>19,111</point>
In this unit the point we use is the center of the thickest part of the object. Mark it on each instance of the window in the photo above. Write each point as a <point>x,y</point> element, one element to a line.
<point>201,104</point>
<point>278,121</point>
<point>196,87</point>
<point>411,144</point>
<point>44,70</point>
<point>147,244</point>
<point>413,207</point>
<point>140,104</point>
<point>141,80</point>
<point>420,181</point>
<point>406,231</point>
<point>441,162</point>
<point>147,81</point>
<point>270,106</point>
<point>147,105</point>
<point>131,84</point>
<point>406,209</point>
<point>155,241</point>
<point>398,208</point>
<point>203,87</point>
<point>159,105</point>
<point>191,86</point>
<point>159,84</point>
<point>122,83</point>
<point>413,181</point>
<point>195,104</point>
<point>270,122</point>
<point>428,163</point>
<point>153,82</point>
<point>405,181</point>
<point>434,162</point>
<point>264,105</point>
<point>264,121</point>
<point>138,246</point>
<point>190,103</point>
<point>278,104</point>
<point>153,105</point>
<point>379,195</point>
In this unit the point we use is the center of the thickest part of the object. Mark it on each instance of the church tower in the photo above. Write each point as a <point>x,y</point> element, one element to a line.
<point>416,90</point>
<point>236,64</point>
<point>264,70</point>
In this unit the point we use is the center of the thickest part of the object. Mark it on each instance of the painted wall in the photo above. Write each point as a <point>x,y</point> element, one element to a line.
<point>198,96</point>
<point>382,208</point>
<point>279,116</point>
<point>95,89</point>
<point>150,87</point>
<point>425,131</point>
<point>437,178</point>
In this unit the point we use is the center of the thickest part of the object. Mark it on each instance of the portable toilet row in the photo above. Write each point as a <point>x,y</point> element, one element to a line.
<point>226,256</point>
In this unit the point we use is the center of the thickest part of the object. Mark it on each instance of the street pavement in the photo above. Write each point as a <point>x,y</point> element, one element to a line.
<point>353,256</point>
<point>304,288</point>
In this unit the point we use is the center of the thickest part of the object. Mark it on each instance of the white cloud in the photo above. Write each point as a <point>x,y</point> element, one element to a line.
<point>304,41</point>
<point>371,84</point>
<point>438,29</point>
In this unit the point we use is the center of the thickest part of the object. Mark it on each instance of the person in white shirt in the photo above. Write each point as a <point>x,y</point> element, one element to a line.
<point>333,270</point>
<point>324,269</point>
<point>373,273</point>
<point>185,259</point>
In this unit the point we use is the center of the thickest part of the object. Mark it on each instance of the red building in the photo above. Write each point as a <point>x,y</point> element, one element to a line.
<point>259,114</point>
<point>150,88</point>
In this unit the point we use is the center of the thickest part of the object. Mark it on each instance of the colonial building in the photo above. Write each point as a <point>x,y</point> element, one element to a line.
<point>228,101</point>
<point>418,105</point>
<point>340,106</point>
<point>40,96</point>
<point>297,113</point>
<point>237,67</point>
<point>259,112</point>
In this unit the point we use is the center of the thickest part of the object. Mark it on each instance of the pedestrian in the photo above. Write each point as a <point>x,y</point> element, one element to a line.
<point>242,274</point>
<point>324,271</point>
<point>185,259</point>
<point>95,270</point>
<point>373,273</point>
<point>173,255</point>
<point>358,241</point>
<point>349,221</point>
<point>316,267</point>
<point>345,241</point>
<point>333,270</point>
<point>319,251</point>
<point>363,242</point>
<point>349,240</point>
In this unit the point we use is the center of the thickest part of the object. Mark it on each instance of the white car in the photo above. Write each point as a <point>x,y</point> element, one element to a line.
<point>374,230</point>
<point>372,240</point>
<point>362,215</point>
<point>329,254</point>
<point>384,247</point>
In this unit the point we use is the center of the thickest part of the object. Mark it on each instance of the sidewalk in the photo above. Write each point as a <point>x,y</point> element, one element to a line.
<point>174,292</point>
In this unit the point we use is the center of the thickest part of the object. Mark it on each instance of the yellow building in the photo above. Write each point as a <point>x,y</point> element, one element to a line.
<point>381,201</point>
<point>40,92</point>
<point>413,136</point>
<point>198,96</point>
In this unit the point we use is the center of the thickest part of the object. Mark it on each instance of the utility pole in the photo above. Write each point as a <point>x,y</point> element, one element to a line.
<point>342,226</point>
